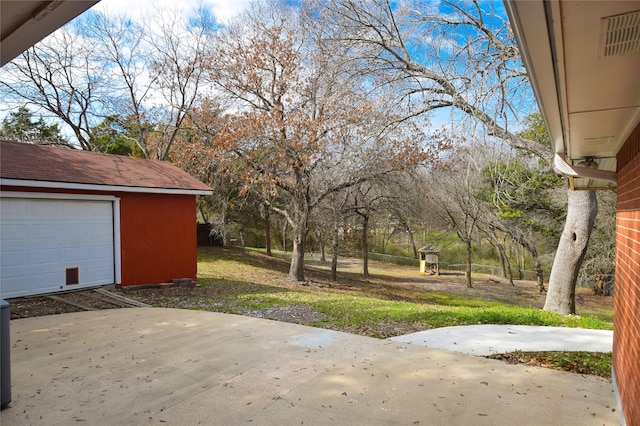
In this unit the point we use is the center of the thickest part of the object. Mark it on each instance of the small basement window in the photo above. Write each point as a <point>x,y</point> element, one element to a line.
<point>72,275</point>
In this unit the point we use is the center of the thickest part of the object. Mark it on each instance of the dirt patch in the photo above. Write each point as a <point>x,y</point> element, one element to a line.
<point>39,306</point>
<point>382,330</point>
<point>595,364</point>
<point>298,314</point>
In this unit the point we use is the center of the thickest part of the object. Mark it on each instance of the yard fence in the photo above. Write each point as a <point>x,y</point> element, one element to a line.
<point>461,267</point>
<point>494,270</point>
<point>475,267</point>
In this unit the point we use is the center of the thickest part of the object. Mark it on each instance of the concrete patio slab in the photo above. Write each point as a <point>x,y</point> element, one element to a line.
<point>488,339</point>
<point>168,366</point>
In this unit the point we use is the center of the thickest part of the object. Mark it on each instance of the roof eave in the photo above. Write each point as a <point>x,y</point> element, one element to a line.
<point>101,188</point>
<point>540,58</point>
<point>28,22</point>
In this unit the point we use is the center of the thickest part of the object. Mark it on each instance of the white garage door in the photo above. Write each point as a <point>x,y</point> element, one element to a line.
<point>49,245</point>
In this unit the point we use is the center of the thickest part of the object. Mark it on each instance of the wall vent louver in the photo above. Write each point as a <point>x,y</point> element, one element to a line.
<point>598,142</point>
<point>620,35</point>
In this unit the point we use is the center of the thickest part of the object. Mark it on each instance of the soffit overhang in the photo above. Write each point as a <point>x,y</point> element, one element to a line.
<point>23,23</point>
<point>588,95</point>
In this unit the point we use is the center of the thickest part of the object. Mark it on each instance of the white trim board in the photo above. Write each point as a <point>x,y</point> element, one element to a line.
<point>104,188</point>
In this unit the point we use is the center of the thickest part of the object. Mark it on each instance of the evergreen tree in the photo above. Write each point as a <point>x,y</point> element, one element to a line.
<point>21,126</point>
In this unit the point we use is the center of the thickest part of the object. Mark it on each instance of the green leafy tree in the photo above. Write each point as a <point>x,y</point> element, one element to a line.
<point>535,129</point>
<point>112,137</point>
<point>20,125</point>
<point>523,194</point>
<point>526,205</point>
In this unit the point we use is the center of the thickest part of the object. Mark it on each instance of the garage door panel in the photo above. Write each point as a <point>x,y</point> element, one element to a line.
<point>14,259</point>
<point>104,230</point>
<point>101,252</point>
<point>48,269</point>
<point>17,209</point>
<point>72,231</point>
<point>43,237</point>
<point>12,233</point>
<point>97,276</point>
<point>13,286</point>
<point>44,232</point>
<point>97,211</point>
<point>73,210</point>
<point>43,257</point>
<point>46,209</point>
<point>43,277</point>
<point>72,254</point>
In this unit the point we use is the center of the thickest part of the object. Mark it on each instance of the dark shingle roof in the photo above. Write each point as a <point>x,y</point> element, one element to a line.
<point>23,161</point>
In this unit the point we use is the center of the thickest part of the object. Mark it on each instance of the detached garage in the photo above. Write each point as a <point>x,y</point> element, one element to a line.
<point>71,219</point>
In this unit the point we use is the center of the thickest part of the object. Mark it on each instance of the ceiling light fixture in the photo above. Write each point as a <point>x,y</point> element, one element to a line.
<point>588,162</point>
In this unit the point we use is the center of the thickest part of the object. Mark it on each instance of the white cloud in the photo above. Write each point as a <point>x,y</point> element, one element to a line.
<point>223,10</point>
<point>138,11</point>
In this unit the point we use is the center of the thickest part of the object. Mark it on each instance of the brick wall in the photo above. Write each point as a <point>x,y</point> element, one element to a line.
<point>626,341</point>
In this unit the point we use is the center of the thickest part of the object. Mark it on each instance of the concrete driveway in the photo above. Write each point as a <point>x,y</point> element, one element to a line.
<point>167,366</point>
<point>488,339</point>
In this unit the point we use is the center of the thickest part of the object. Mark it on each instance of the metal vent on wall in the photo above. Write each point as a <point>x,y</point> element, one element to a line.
<point>598,142</point>
<point>72,275</point>
<point>620,35</point>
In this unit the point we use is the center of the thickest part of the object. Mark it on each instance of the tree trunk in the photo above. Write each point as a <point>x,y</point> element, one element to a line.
<point>581,215</point>
<point>531,248</point>
<point>284,236</point>
<point>520,257</point>
<point>334,252</point>
<point>267,230</point>
<point>413,243</point>
<point>509,272</point>
<point>539,274</point>
<point>468,271</point>
<point>296,269</point>
<point>365,245</point>
<point>502,255</point>
<point>503,265</point>
<point>226,235</point>
<point>508,262</point>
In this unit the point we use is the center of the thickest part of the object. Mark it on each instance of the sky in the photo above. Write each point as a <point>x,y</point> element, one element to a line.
<point>224,10</point>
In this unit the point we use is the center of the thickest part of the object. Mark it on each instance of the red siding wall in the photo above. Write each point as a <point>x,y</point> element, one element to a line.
<point>158,237</point>
<point>626,338</point>
<point>157,231</point>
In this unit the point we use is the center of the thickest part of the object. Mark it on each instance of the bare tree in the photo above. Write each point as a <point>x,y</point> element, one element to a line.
<point>524,203</point>
<point>453,193</point>
<point>459,57</point>
<point>179,65</point>
<point>365,199</point>
<point>496,236</point>
<point>404,202</point>
<point>105,69</point>
<point>331,215</point>
<point>301,129</point>
<point>598,269</point>
<point>60,77</point>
